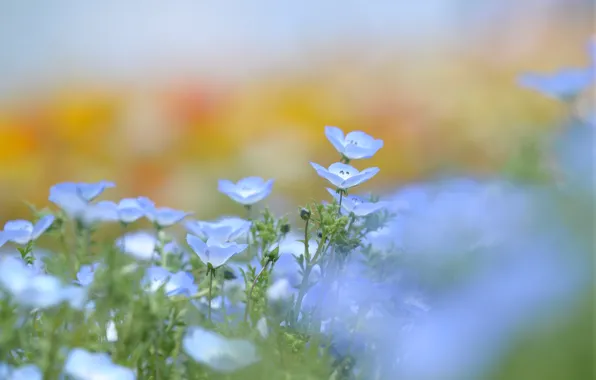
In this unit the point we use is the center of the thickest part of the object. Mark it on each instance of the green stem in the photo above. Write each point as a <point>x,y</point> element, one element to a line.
<point>304,284</point>
<point>211,273</point>
<point>306,248</point>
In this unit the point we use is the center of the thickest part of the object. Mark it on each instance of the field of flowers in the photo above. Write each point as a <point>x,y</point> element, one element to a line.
<point>438,280</point>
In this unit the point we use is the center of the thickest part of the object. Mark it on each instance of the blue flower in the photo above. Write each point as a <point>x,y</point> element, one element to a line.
<point>353,204</point>
<point>356,145</point>
<point>74,197</point>
<point>33,290</point>
<point>247,191</point>
<point>160,216</point>
<point>226,229</point>
<point>140,245</point>
<point>344,176</point>
<point>86,274</point>
<point>26,372</point>
<point>214,251</point>
<point>565,84</point>
<point>128,210</point>
<point>173,284</point>
<point>217,352</point>
<point>23,231</point>
<point>84,365</point>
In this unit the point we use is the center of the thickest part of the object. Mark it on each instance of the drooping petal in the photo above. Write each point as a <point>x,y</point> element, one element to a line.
<point>199,247</point>
<point>165,216</point>
<point>219,254</point>
<point>336,138</point>
<point>42,225</point>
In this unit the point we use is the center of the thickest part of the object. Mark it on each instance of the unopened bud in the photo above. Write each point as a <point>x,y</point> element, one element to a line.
<point>305,214</point>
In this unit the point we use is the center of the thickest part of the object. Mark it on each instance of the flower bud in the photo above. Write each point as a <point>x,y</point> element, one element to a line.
<point>305,214</point>
<point>285,228</point>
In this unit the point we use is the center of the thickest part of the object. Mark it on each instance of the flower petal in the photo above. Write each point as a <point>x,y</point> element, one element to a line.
<point>165,216</point>
<point>333,178</point>
<point>198,246</point>
<point>220,254</point>
<point>42,225</point>
<point>336,138</point>
<point>360,178</point>
<point>251,182</point>
<point>368,208</point>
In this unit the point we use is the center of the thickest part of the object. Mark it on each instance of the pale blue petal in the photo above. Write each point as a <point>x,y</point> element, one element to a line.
<point>219,254</point>
<point>130,214</point>
<point>226,187</point>
<point>333,178</point>
<point>359,152</point>
<point>198,246</point>
<point>90,191</point>
<point>367,208</point>
<point>338,167</point>
<point>140,245</point>
<point>251,182</point>
<point>100,212</point>
<point>166,216</point>
<point>146,203</point>
<point>18,225</point>
<point>360,178</point>
<point>42,225</point>
<point>260,195</point>
<point>195,227</point>
<point>335,137</point>
<point>69,201</point>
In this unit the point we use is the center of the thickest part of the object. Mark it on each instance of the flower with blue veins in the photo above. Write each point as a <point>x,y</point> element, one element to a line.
<point>225,229</point>
<point>217,352</point>
<point>247,191</point>
<point>344,176</point>
<point>565,84</point>
<point>214,252</point>
<point>23,231</point>
<point>84,365</point>
<point>356,205</point>
<point>26,372</point>
<point>355,145</point>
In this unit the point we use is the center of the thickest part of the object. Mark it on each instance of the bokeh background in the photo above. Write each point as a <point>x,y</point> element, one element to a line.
<point>166,97</point>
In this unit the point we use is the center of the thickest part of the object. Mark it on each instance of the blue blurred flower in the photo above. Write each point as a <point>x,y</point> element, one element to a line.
<point>565,84</point>
<point>140,245</point>
<point>23,231</point>
<point>173,284</point>
<point>74,198</point>
<point>86,274</point>
<point>353,204</point>
<point>26,372</point>
<point>225,229</point>
<point>217,352</point>
<point>84,365</point>
<point>344,176</point>
<point>356,145</point>
<point>32,290</point>
<point>128,210</point>
<point>214,251</point>
<point>247,191</point>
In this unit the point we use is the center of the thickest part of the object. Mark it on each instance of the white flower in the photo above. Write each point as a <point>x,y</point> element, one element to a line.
<point>356,145</point>
<point>344,176</point>
<point>217,352</point>
<point>247,191</point>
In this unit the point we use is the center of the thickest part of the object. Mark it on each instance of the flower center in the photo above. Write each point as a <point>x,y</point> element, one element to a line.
<point>344,174</point>
<point>246,191</point>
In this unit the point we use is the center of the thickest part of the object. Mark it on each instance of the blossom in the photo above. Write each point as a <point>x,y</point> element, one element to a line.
<point>217,352</point>
<point>354,204</point>
<point>564,85</point>
<point>214,251</point>
<point>225,229</point>
<point>140,245</point>
<point>86,274</point>
<point>26,372</point>
<point>84,365</point>
<point>173,284</point>
<point>356,145</point>
<point>344,176</point>
<point>32,290</point>
<point>128,210</point>
<point>23,231</point>
<point>160,216</point>
<point>75,198</point>
<point>247,191</point>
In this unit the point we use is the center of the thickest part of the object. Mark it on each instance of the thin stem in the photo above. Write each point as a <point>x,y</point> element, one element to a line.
<point>306,248</point>
<point>307,269</point>
<point>211,272</point>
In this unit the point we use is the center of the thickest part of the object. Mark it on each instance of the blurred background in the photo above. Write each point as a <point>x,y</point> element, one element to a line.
<point>164,98</point>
